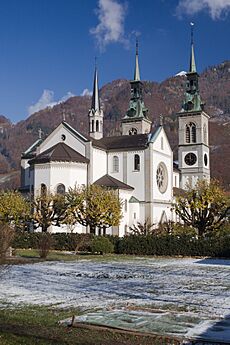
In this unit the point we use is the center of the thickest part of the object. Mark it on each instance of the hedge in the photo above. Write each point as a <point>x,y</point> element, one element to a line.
<point>168,245</point>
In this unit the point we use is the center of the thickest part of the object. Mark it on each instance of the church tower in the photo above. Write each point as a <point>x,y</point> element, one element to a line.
<point>136,120</point>
<point>193,151</point>
<point>96,113</point>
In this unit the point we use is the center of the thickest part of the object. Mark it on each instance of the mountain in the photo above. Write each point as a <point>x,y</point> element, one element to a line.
<point>161,98</point>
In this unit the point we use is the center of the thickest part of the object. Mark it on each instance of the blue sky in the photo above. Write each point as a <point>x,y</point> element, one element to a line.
<point>48,47</point>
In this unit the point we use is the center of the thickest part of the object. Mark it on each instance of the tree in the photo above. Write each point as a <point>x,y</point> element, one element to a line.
<point>94,206</point>
<point>48,209</point>
<point>14,209</point>
<point>204,207</point>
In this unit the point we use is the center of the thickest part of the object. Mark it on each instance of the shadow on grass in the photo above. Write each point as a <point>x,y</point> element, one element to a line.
<point>213,332</point>
<point>212,261</point>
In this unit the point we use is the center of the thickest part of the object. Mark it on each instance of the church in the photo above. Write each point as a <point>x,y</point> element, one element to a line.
<point>138,163</point>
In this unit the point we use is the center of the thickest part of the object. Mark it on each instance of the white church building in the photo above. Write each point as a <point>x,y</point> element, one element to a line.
<point>138,163</point>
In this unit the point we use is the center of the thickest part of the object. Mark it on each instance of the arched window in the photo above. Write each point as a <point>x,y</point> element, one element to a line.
<point>97,126</point>
<point>193,134</point>
<point>190,133</point>
<point>115,164</point>
<point>187,134</point>
<point>92,126</point>
<point>43,190</point>
<point>126,205</point>
<point>137,162</point>
<point>61,189</point>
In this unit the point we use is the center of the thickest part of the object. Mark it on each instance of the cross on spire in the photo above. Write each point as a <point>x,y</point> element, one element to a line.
<point>39,133</point>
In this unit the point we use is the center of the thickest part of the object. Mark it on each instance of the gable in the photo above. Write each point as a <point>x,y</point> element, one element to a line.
<point>64,133</point>
<point>160,142</point>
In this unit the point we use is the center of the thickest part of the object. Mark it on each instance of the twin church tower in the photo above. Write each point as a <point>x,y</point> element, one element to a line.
<point>193,146</point>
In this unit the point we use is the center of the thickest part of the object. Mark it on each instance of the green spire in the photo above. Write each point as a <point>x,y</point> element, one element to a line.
<point>137,107</point>
<point>192,67</point>
<point>192,101</point>
<point>137,70</point>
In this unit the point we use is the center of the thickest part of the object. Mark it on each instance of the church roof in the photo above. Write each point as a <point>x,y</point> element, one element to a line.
<point>59,153</point>
<point>123,142</point>
<point>111,182</point>
<point>178,191</point>
<point>31,151</point>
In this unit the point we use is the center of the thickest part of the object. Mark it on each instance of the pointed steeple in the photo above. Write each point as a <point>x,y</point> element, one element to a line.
<point>95,98</point>
<point>137,70</point>
<point>192,67</point>
<point>137,107</point>
<point>192,101</point>
<point>136,119</point>
<point>95,112</point>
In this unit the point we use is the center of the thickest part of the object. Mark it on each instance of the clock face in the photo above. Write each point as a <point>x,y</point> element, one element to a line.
<point>190,158</point>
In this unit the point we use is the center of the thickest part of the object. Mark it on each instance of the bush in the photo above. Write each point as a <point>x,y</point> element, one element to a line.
<point>6,239</point>
<point>102,245</point>
<point>61,241</point>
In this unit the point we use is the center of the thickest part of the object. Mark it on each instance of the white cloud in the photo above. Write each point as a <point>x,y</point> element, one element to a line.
<point>216,8</point>
<point>47,100</point>
<point>86,92</point>
<point>111,16</point>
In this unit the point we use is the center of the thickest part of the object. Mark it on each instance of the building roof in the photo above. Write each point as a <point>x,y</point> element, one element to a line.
<point>31,151</point>
<point>178,191</point>
<point>59,153</point>
<point>123,142</point>
<point>176,166</point>
<point>111,182</point>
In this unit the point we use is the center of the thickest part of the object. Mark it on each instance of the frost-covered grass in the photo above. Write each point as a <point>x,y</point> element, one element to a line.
<point>191,296</point>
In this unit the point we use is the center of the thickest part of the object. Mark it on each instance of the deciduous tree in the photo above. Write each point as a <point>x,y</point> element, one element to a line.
<point>204,207</point>
<point>48,209</point>
<point>94,206</point>
<point>14,209</point>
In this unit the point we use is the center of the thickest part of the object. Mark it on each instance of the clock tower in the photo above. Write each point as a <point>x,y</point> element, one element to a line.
<point>193,150</point>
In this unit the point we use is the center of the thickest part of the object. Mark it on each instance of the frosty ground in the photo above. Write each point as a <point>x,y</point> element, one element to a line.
<point>184,297</point>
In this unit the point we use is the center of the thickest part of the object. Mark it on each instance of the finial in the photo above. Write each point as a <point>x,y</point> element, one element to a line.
<point>192,29</point>
<point>39,133</point>
<point>161,120</point>
<point>95,61</point>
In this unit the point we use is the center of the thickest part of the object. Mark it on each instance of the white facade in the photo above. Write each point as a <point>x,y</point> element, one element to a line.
<point>136,167</point>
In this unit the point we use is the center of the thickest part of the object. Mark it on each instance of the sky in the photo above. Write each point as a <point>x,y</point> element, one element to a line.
<point>48,47</point>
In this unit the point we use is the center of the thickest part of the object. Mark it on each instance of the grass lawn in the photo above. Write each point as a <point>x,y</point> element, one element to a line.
<point>55,255</point>
<point>39,325</point>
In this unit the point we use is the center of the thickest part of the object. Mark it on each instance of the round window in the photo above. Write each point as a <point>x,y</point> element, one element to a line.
<point>162,177</point>
<point>63,137</point>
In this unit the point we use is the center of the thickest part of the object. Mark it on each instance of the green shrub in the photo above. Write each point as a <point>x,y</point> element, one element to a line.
<point>102,245</point>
